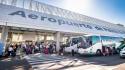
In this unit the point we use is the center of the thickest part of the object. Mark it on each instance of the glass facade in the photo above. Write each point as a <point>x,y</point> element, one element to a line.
<point>16,37</point>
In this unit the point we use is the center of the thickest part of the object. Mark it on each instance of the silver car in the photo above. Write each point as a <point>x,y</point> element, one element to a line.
<point>122,52</point>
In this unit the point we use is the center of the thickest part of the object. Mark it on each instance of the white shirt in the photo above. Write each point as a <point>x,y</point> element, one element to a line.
<point>40,46</point>
<point>36,47</point>
<point>10,49</point>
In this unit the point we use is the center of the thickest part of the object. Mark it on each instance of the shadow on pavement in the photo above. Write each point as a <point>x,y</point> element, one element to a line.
<point>86,60</point>
<point>101,60</point>
<point>14,64</point>
<point>69,65</point>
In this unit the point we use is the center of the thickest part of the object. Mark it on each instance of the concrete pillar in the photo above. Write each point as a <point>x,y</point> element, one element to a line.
<point>4,36</point>
<point>57,38</point>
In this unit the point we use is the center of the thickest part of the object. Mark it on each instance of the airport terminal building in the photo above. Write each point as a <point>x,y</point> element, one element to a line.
<point>29,20</point>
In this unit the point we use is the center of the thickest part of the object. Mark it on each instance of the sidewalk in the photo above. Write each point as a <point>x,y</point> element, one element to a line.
<point>120,67</point>
<point>14,64</point>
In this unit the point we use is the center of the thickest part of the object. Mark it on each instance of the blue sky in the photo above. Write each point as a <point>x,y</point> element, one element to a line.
<point>108,10</point>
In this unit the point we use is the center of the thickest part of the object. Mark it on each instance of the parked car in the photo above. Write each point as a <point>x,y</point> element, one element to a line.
<point>122,53</point>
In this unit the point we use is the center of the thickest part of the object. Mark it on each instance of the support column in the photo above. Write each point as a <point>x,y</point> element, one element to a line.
<point>57,41</point>
<point>4,36</point>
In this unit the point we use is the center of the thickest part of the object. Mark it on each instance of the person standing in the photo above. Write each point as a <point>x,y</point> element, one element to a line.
<point>107,51</point>
<point>114,50</point>
<point>10,50</point>
<point>46,50</point>
<point>36,48</point>
<point>50,48</point>
<point>15,46</point>
<point>103,50</point>
<point>54,48</point>
<point>41,47</point>
<point>20,52</point>
<point>61,50</point>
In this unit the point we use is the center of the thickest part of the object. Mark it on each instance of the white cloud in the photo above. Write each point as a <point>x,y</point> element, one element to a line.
<point>78,5</point>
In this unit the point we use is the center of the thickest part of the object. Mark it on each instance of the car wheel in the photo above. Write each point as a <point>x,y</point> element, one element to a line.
<point>98,52</point>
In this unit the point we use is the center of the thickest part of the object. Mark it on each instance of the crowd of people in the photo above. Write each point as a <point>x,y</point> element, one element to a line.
<point>25,48</point>
<point>108,50</point>
<point>30,48</point>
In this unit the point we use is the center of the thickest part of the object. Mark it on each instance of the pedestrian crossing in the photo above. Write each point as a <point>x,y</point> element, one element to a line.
<point>52,62</point>
<point>55,62</point>
<point>43,59</point>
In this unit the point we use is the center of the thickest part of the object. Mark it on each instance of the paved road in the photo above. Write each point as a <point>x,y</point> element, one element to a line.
<point>14,64</point>
<point>101,60</point>
<point>55,62</point>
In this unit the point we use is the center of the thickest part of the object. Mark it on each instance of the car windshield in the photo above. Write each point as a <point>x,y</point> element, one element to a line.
<point>85,42</point>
